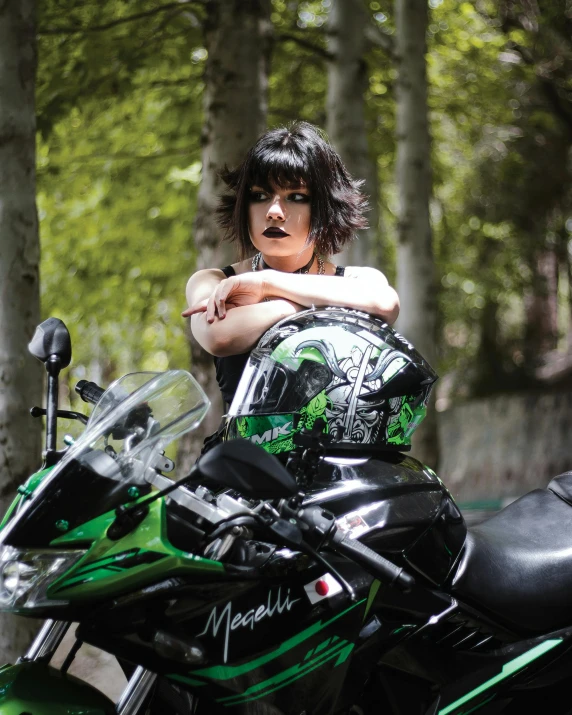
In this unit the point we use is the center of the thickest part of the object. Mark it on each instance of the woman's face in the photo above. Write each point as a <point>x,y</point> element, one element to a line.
<point>279,219</point>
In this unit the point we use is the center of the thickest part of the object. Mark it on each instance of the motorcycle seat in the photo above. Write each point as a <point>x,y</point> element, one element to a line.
<point>518,564</point>
<point>562,486</point>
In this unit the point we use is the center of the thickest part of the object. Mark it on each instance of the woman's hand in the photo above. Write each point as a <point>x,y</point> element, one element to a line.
<point>233,292</point>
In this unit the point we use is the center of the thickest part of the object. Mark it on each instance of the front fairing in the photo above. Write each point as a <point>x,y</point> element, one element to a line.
<point>115,458</point>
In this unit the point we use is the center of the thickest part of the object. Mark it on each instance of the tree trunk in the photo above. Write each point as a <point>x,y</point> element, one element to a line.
<point>416,282</point>
<point>541,309</point>
<point>346,123</point>
<point>20,374</point>
<point>237,38</point>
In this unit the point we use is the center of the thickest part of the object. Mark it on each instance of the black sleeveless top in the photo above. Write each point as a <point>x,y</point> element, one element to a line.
<point>229,369</point>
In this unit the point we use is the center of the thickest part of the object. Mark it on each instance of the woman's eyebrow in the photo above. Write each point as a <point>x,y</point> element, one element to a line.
<point>296,187</point>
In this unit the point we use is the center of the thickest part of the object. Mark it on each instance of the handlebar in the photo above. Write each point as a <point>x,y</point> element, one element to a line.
<point>371,561</point>
<point>317,528</point>
<point>89,391</point>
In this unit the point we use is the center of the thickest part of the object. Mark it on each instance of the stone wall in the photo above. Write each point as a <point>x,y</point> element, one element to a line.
<point>501,447</point>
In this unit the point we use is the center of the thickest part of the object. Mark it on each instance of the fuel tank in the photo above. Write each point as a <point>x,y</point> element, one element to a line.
<point>396,506</point>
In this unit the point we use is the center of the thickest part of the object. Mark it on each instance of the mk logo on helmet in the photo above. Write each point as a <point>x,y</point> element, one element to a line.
<point>271,434</point>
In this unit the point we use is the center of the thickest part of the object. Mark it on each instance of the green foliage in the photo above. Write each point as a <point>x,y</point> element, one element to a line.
<point>118,169</point>
<point>119,118</point>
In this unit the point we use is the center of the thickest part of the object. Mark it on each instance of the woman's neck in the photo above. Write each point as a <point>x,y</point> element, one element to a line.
<point>289,264</point>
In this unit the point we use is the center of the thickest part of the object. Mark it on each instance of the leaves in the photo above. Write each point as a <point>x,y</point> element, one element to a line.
<point>119,103</point>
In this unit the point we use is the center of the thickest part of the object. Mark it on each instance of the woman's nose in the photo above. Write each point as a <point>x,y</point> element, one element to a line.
<point>275,211</point>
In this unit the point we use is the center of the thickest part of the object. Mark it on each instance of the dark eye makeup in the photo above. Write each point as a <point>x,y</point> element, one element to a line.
<point>294,196</point>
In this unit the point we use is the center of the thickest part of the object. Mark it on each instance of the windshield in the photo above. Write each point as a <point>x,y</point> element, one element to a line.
<point>116,457</point>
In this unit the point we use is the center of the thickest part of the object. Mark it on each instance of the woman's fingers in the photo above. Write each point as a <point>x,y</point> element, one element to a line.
<point>221,295</point>
<point>229,294</point>
<point>211,309</point>
<point>194,309</point>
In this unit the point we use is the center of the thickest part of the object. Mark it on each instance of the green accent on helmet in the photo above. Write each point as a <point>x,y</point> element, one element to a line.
<point>393,368</point>
<point>271,432</point>
<point>397,425</point>
<point>401,426</point>
<point>62,525</point>
<point>366,381</point>
<point>275,433</point>
<point>287,348</point>
<point>314,409</point>
<point>311,354</point>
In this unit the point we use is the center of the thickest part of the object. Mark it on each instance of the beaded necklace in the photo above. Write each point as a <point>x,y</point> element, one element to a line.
<point>259,264</point>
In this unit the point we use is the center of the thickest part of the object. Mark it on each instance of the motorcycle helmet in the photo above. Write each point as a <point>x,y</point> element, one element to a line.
<point>366,381</point>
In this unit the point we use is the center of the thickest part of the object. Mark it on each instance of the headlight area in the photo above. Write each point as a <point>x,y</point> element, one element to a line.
<point>26,574</point>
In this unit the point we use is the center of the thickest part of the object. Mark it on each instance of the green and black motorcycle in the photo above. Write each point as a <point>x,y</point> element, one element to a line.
<point>306,564</point>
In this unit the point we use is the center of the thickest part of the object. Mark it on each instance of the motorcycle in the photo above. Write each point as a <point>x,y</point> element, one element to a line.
<point>322,585</point>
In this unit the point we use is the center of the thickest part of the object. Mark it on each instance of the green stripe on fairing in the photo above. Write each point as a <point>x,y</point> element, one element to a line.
<point>30,485</point>
<point>92,576</point>
<point>479,705</point>
<point>322,645</point>
<point>281,680</point>
<point>226,672</point>
<point>17,499</point>
<point>508,669</point>
<point>374,588</point>
<point>95,570</point>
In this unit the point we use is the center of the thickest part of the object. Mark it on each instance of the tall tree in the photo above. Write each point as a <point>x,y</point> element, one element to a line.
<point>345,106</point>
<point>20,374</point>
<point>237,39</point>
<point>416,282</point>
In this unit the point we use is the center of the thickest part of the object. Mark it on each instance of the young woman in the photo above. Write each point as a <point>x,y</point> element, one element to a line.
<point>291,205</point>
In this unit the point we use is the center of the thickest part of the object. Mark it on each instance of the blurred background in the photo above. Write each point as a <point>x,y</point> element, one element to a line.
<point>458,115</point>
<point>116,116</point>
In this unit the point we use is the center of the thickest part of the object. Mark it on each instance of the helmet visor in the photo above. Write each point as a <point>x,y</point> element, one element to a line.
<point>269,387</point>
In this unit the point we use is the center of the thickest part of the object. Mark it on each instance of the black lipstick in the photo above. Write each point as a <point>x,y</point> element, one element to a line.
<point>275,232</point>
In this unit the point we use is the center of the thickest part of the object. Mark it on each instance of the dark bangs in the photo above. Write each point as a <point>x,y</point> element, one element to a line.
<point>281,167</point>
<point>289,157</point>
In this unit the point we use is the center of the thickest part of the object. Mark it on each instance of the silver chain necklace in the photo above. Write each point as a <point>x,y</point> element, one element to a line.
<point>257,260</point>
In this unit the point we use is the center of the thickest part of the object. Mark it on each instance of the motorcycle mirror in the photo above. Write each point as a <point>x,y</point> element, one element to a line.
<point>241,465</point>
<point>51,338</point>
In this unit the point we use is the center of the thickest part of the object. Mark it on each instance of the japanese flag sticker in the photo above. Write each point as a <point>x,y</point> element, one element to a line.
<point>323,587</point>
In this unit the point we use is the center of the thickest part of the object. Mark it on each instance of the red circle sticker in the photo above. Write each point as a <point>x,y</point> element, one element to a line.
<point>322,588</point>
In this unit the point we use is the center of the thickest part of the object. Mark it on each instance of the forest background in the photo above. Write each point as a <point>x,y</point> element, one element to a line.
<point>457,114</point>
<point>115,117</point>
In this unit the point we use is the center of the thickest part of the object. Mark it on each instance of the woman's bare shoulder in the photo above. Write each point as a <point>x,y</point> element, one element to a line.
<point>202,283</point>
<point>365,272</point>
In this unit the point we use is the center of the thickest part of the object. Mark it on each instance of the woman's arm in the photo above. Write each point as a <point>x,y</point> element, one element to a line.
<point>364,289</point>
<point>239,329</point>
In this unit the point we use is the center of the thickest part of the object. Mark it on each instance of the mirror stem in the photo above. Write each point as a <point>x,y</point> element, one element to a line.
<point>53,367</point>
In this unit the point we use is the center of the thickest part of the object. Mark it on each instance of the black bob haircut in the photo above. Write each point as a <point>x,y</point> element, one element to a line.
<point>290,156</point>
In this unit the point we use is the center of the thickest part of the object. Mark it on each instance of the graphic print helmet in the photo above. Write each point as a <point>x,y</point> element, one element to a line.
<point>365,380</point>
